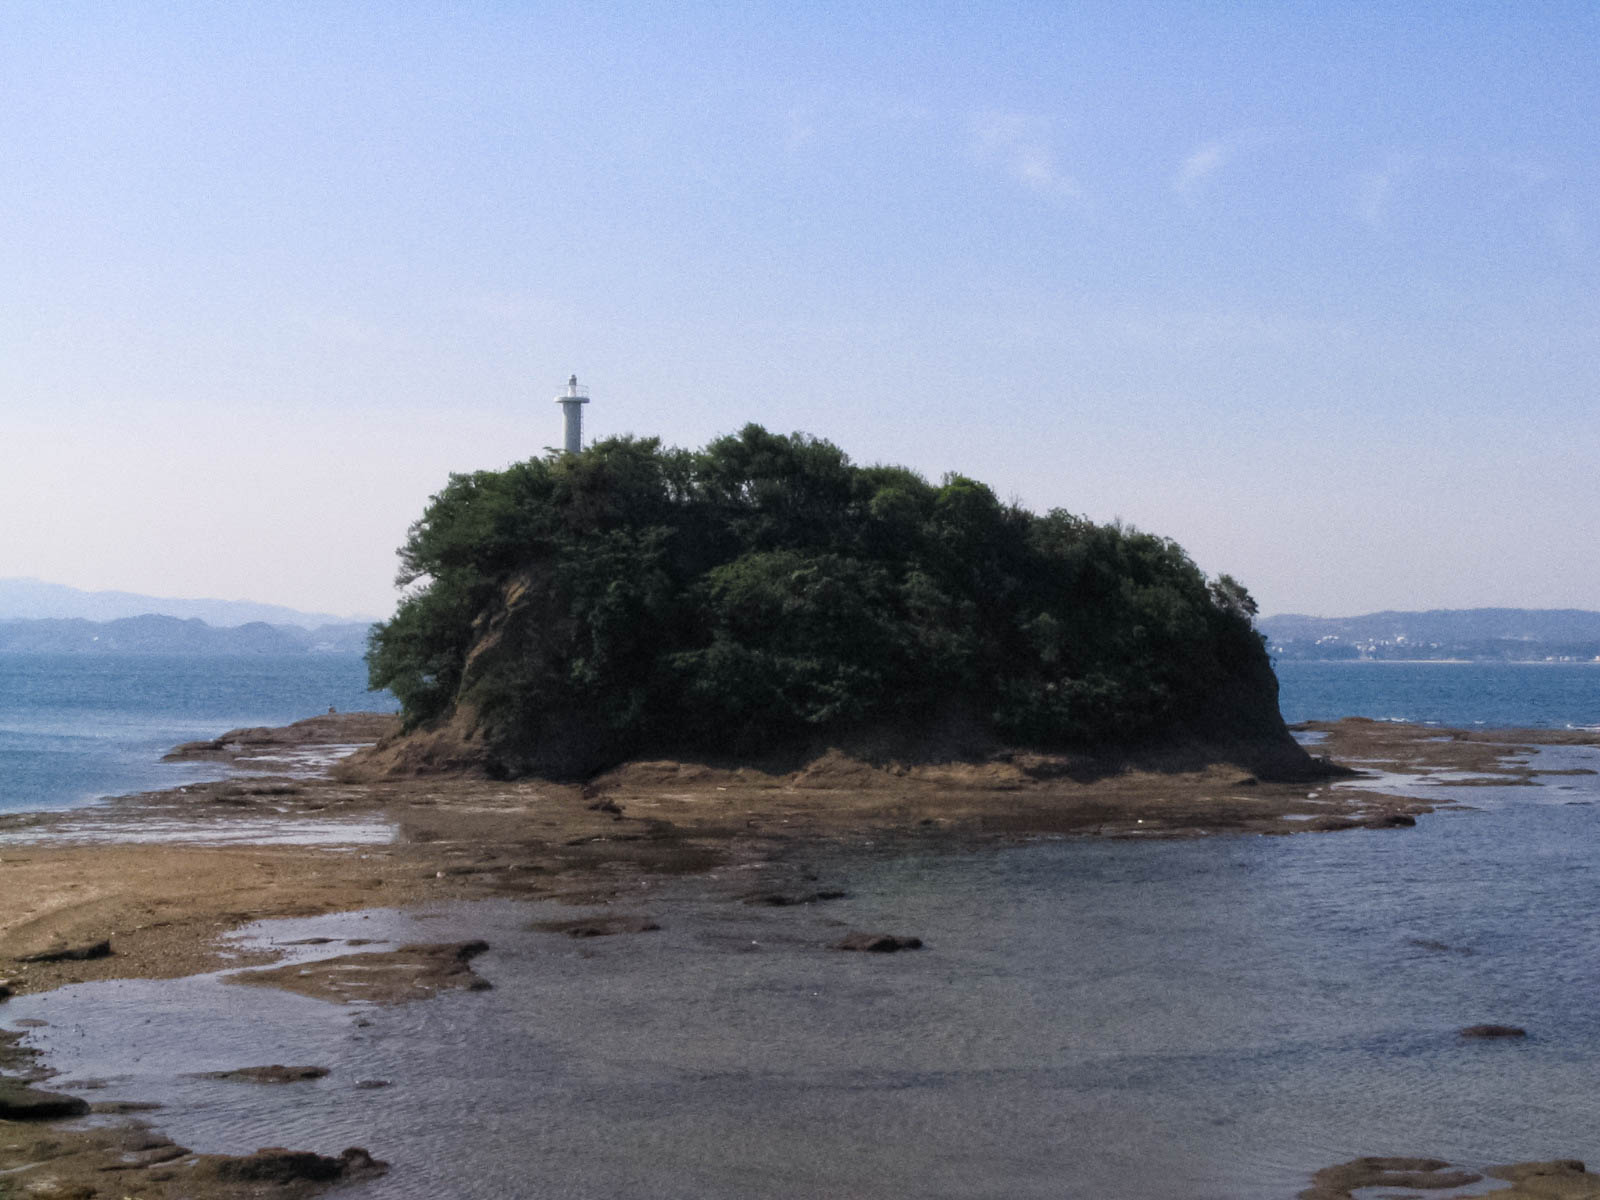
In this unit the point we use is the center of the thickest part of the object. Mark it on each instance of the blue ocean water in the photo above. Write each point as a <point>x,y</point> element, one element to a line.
<point>1455,694</point>
<point>74,727</point>
<point>77,727</point>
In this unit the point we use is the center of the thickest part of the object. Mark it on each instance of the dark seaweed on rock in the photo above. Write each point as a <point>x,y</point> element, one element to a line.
<point>763,593</point>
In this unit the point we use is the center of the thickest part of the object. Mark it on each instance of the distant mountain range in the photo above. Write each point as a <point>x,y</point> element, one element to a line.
<point>156,634</point>
<point>1504,634</point>
<point>33,599</point>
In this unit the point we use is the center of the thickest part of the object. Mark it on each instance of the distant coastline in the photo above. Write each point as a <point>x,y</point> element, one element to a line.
<point>157,634</point>
<point>1480,635</point>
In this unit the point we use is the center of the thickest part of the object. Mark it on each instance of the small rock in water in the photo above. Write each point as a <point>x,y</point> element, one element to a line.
<point>1439,947</point>
<point>276,1073</point>
<point>785,899</point>
<point>1494,1031</point>
<point>877,943</point>
<point>589,927</point>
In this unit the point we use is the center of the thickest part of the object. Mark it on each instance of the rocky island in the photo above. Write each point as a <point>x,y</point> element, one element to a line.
<point>767,597</point>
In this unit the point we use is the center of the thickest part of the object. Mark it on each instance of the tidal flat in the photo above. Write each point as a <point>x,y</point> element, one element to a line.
<point>1119,993</point>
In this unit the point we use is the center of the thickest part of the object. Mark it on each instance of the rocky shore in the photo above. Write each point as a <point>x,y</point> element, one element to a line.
<point>96,907</point>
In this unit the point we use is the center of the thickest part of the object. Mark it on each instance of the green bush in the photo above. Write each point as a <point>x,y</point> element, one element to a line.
<point>765,590</point>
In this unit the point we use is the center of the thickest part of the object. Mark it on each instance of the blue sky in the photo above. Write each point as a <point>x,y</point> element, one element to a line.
<point>1310,288</point>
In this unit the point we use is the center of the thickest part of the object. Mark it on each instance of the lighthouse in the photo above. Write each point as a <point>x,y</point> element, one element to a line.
<point>571,402</point>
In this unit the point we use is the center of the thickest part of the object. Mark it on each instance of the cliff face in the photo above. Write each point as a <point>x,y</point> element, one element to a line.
<point>766,597</point>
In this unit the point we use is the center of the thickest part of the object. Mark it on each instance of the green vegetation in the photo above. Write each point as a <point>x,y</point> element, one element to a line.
<point>764,591</point>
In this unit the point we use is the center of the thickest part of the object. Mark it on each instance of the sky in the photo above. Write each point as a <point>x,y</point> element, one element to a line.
<point>1309,288</point>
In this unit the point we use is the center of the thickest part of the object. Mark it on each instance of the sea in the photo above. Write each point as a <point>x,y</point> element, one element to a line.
<point>1212,1018</point>
<point>75,728</point>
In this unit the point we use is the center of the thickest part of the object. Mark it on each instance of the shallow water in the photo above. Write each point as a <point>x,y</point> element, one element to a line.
<point>1208,1018</point>
<point>123,830</point>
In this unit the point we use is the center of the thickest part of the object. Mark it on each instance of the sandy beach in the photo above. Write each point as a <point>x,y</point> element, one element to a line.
<point>82,903</point>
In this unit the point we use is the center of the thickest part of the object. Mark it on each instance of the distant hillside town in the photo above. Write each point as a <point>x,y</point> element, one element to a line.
<point>1474,634</point>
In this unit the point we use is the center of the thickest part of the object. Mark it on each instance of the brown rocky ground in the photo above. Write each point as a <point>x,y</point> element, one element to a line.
<point>1561,1179</point>
<point>456,834</point>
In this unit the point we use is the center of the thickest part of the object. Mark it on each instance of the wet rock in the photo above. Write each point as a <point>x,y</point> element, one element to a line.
<point>1331,824</point>
<point>275,1165</point>
<point>396,976</point>
<point>1340,1182</point>
<point>588,927</point>
<point>786,899</point>
<point>19,1102</point>
<point>139,1158</point>
<point>1569,1170</point>
<point>877,943</point>
<point>1390,821</point>
<point>112,1108</point>
<point>368,1085</point>
<point>1494,1031</point>
<point>276,1073</point>
<point>69,953</point>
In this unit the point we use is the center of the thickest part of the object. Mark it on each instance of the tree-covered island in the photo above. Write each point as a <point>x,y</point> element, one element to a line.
<point>765,594</point>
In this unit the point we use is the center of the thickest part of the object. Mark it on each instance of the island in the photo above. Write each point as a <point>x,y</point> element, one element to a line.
<point>638,666</point>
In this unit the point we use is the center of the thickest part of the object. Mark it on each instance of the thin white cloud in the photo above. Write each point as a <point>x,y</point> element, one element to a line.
<point>1019,144</point>
<point>1203,162</point>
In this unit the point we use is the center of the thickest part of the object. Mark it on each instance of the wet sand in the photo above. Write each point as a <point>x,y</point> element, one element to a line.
<point>99,908</point>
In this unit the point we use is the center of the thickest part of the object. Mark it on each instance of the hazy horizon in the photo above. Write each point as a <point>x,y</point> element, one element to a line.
<point>189,606</point>
<point>1310,290</point>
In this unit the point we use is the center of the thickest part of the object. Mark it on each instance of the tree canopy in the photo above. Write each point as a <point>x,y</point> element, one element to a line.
<point>764,590</point>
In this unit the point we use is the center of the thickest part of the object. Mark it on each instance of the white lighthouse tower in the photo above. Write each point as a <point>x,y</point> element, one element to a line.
<point>571,402</point>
